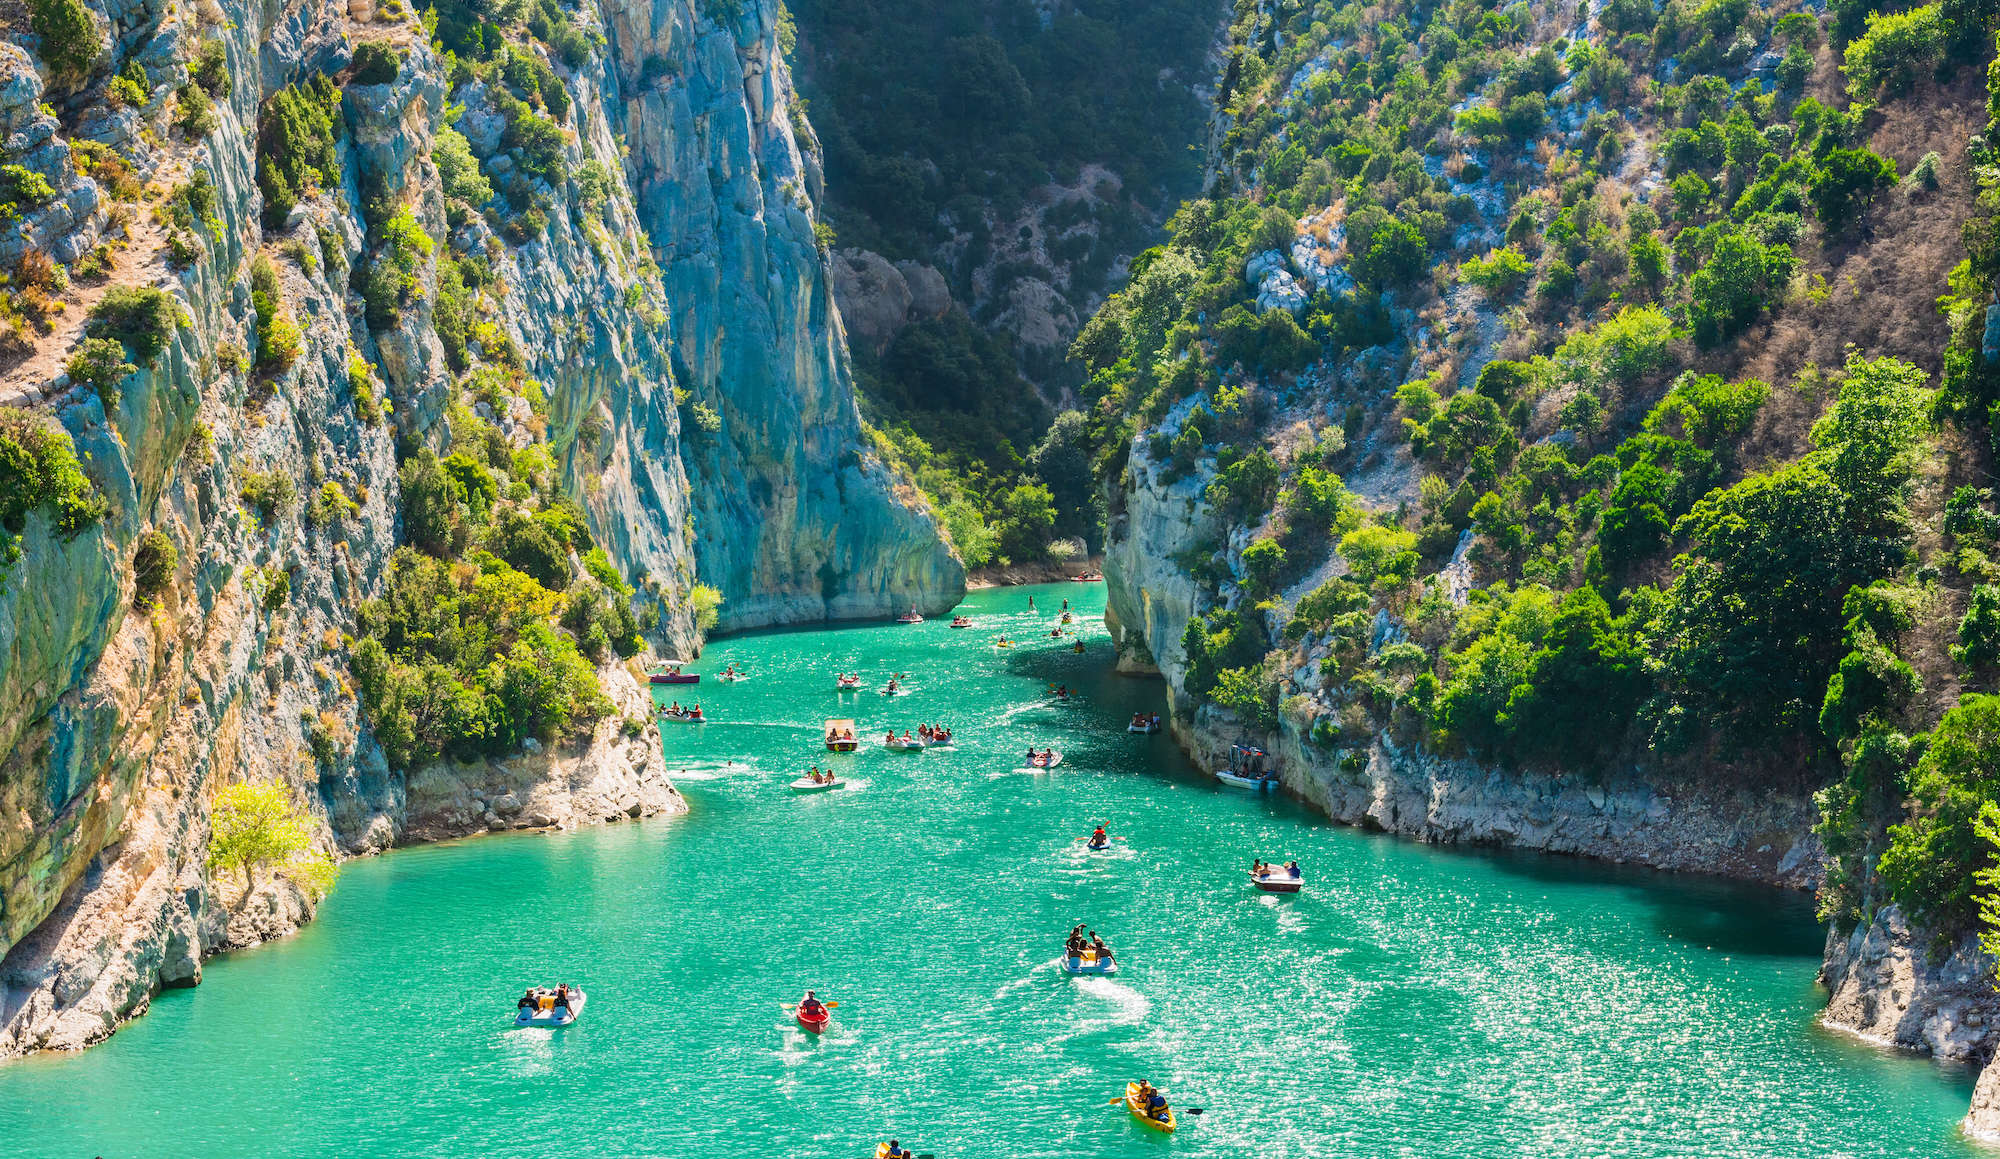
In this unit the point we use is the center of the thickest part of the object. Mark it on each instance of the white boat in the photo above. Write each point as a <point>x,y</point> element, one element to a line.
<point>683,716</point>
<point>1090,963</point>
<point>843,684</point>
<point>1039,764</point>
<point>910,617</point>
<point>1148,727</point>
<point>1263,781</point>
<point>808,785</point>
<point>552,1017</point>
<point>1278,881</point>
<point>943,746</point>
<point>898,744</point>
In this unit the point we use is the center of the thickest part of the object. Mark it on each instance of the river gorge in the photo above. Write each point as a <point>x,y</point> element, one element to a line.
<point>1414,1000</point>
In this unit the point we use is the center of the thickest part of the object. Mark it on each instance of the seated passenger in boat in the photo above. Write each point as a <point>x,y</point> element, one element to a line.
<point>1292,867</point>
<point>1259,869</point>
<point>897,1151</point>
<point>811,1007</point>
<point>1103,951</point>
<point>1073,948</point>
<point>1152,1100</point>
<point>562,998</point>
<point>528,1000</point>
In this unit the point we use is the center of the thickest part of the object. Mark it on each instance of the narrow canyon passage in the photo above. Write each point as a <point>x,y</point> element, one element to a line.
<point>1412,1002</point>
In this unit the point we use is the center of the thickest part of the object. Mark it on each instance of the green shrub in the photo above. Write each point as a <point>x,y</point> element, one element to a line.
<point>707,604</point>
<point>1930,860</point>
<point>70,39</point>
<point>142,317</point>
<point>376,62</point>
<point>39,468</point>
<point>209,69</point>
<point>459,169</point>
<point>1897,48</point>
<point>296,131</point>
<point>269,493</point>
<point>1262,563</point>
<point>153,563</point>
<point>99,363</point>
<point>1979,631</point>
<point>194,113</point>
<point>256,826</point>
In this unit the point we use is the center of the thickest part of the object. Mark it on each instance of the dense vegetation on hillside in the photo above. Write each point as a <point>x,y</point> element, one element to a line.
<point>942,124</point>
<point>1566,312</point>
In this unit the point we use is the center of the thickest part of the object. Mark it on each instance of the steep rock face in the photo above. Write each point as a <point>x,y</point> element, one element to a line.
<point>119,725</point>
<point>1374,781</point>
<point>795,518</point>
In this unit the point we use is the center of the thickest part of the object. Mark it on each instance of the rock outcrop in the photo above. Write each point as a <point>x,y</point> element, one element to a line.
<point>795,517</point>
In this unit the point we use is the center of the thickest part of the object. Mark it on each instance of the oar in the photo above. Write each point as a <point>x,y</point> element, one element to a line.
<point>795,1006</point>
<point>1177,1110</point>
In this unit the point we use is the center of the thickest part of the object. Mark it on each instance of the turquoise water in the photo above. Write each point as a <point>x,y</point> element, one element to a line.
<point>1415,1002</point>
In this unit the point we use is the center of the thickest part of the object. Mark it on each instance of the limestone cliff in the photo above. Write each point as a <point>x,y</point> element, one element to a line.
<point>795,518</point>
<point>123,713</point>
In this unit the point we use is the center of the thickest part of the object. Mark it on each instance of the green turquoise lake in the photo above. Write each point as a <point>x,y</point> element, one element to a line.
<point>1416,1001</point>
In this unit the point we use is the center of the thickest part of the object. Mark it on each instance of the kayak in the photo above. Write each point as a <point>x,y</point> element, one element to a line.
<point>1090,963</point>
<point>552,1017</point>
<point>1280,882</point>
<point>1229,778</point>
<point>808,785</point>
<point>814,1025</point>
<point>1165,1126</point>
<point>1098,848</point>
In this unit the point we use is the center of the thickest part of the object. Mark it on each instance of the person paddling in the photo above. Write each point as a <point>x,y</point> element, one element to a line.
<point>1098,839</point>
<point>811,1008</point>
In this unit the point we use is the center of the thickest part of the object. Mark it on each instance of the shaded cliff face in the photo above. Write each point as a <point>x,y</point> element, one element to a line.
<point>122,718</point>
<point>795,518</point>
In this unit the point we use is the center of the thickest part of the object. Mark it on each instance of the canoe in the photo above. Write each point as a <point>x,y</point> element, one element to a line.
<point>1229,778</point>
<point>1165,1126</point>
<point>552,1018</point>
<point>814,1025</point>
<point>808,785</point>
<point>1278,882</point>
<point>1090,965</point>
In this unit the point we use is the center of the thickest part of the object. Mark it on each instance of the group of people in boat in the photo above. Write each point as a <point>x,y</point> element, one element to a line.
<point>1063,692</point>
<point>847,679</point>
<point>542,998</point>
<point>932,734</point>
<point>834,735</point>
<point>819,778</point>
<point>1040,759</point>
<point>1152,1101</point>
<point>1080,942</point>
<point>1142,720</point>
<point>1264,869</point>
<point>693,712</point>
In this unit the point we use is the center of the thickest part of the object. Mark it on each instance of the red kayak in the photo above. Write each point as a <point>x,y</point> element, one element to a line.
<point>815,1025</point>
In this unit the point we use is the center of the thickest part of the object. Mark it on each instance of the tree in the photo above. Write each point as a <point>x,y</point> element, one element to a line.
<point>430,512</point>
<point>1979,632</point>
<point>1027,520</point>
<point>1373,551</point>
<point>255,826</point>
<point>1728,292</point>
<point>1262,561</point>
<point>1844,185</point>
<point>1896,49</point>
<point>1931,859</point>
<point>1499,273</point>
<point>1062,462</point>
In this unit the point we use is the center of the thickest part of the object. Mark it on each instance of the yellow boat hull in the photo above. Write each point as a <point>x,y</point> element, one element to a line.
<point>1138,1111</point>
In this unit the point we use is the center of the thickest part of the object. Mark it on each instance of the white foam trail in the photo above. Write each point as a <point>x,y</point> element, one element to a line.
<point>1133,1007</point>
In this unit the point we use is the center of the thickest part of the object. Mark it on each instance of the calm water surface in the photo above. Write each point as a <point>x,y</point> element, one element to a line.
<point>1416,1002</point>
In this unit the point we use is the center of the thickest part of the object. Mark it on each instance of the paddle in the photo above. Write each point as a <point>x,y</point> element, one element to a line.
<point>1177,1110</point>
<point>795,1006</point>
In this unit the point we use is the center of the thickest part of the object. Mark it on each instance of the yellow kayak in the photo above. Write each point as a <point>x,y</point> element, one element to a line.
<point>1138,1111</point>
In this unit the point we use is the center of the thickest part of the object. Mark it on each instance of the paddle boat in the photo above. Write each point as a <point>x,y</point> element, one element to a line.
<point>1278,879</point>
<point>910,617</point>
<point>845,683</point>
<point>1136,1104</point>
<point>1047,760</point>
<point>1246,769</point>
<point>670,673</point>
<point>546,1013</point>
<point>960,622</point>
<point>684,715</point>
<point>808,785</point>
<point>1090,964</point>
<point>1142,723</point>
<point>902,744</point>
<point>840,736</point>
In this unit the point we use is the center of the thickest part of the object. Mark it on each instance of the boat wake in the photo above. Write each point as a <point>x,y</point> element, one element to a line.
<point>1132,1006</point>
